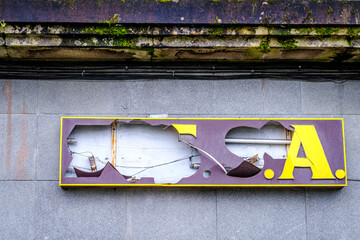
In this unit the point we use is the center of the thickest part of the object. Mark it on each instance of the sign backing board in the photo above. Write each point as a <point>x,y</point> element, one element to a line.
<point>314,155</point>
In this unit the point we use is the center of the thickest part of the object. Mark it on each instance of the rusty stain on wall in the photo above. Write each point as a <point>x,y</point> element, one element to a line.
<point>23,154</point>
<point>8,94</point>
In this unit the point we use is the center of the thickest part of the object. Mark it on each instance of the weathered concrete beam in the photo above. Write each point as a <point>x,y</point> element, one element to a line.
<point>173,43</point>
<point>182,11</point>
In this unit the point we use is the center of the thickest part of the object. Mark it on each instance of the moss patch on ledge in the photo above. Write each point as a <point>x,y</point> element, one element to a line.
<point>287,43</point>
<point>352,34</point>
<point>264,46</point>
<point>326,31</point>
<point>215,41</point>
<point>109,30</point>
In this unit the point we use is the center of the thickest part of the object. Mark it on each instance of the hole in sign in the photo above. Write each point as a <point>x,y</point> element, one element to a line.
<point>206,174</point>
<point>251,143</point>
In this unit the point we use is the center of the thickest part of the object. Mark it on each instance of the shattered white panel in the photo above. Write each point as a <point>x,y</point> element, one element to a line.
<point>142,151</point>
<point>146,146</point>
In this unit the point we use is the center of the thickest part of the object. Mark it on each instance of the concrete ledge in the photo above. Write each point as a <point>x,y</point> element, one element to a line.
<point>215,42</point>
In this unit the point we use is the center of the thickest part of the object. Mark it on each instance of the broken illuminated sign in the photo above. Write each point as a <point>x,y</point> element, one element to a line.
<point>202,152</point>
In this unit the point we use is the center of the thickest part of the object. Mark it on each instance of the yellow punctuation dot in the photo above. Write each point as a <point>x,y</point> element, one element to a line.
<point>340,174</point>
<point>269,174</point>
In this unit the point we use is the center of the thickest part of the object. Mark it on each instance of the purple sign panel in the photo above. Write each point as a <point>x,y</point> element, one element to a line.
<point>226,152</point>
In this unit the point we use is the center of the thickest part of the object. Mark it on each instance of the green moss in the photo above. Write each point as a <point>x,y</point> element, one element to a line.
<point>353,31</point>
<point>123,42</point>
<point>349,40</point>
<point>287,43</point>
<point>163,1</point>
<point>326,31</point>
<point>217,20</point>
<point>113,42</point>
<point>2,23</point>
<point>264,46</point>
<point>330,10</point>
<point>216,31</point>
<point>306,31</point>
<point>233,21</point>
<point>286,17</point>
<point>284,7</point>
<point>110,30</point>
<point>308,17</point>
<point>351,34</point>
<point>115,19</point>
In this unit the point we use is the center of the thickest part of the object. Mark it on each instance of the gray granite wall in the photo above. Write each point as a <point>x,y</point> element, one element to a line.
<point>33,206</point>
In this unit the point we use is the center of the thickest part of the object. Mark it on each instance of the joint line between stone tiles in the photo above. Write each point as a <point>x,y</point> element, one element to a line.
<point>17,180</point>
<point>35,210</point>
<point>216,213</point>
<point>354,180</point>
<point>306,222</point>
<point>36,143</point>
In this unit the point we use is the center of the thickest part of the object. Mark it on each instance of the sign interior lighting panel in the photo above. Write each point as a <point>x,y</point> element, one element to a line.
<point>202,152</point>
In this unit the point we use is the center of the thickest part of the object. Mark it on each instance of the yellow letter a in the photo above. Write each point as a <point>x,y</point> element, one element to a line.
<point>315,156</point>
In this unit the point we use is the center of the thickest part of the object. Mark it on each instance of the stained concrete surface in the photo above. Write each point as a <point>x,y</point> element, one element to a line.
<point>35,207</point>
